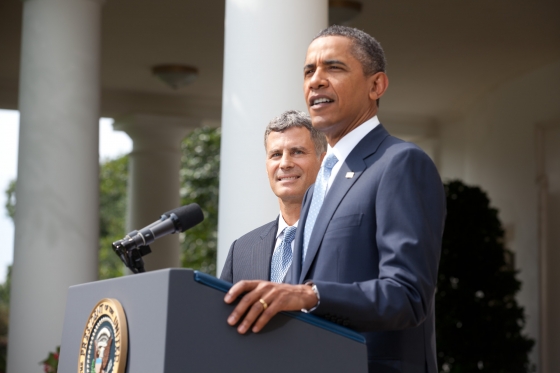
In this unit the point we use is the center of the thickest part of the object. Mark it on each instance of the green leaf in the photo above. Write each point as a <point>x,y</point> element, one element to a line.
<point>200,170</point>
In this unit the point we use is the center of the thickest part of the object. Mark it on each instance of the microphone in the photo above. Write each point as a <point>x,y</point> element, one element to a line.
<point>176,220</point>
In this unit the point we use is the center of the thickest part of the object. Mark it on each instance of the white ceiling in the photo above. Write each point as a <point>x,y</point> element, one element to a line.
<point>443,55</point>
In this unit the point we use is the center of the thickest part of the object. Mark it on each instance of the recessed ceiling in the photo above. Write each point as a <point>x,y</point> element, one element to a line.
<point>442,55</point>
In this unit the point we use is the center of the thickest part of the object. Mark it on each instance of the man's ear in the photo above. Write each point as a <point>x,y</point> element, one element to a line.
<point>322,156</point>
<point>379,84</point>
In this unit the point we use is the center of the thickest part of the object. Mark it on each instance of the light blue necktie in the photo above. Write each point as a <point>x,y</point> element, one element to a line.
<point>282,257</point>
<point>319,192</point>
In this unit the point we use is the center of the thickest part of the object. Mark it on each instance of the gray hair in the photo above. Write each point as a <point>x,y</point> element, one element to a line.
<point>365,48</point>
<point>295,118</point>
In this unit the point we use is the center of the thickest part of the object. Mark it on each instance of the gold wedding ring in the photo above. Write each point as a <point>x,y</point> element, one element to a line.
<point>265,306</point>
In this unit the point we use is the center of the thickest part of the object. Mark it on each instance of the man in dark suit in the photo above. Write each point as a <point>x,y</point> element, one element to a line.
<point>368,253</point>
<point>294,151</point>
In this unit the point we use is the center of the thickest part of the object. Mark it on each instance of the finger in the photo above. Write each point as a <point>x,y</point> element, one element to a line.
<point>284,298</point>
<point>273,307</point>
<point>256,310</point>
<point>245,303</point>
<point>264,318</point>
<point>240,288</point>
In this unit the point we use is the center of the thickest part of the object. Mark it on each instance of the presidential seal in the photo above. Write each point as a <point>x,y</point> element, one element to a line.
<point>105,340</point>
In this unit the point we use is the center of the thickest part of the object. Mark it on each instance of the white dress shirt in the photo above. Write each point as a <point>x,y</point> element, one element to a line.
<point>346,144</point>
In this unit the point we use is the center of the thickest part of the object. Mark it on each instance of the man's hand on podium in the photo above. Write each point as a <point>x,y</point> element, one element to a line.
<point>263,300</point>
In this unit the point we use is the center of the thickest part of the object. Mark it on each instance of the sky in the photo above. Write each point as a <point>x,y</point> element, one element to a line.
<point>112,144</point>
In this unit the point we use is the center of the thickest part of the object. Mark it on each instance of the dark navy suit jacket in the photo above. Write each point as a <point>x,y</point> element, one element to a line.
<point>249,256</point>
<point>375,248</point>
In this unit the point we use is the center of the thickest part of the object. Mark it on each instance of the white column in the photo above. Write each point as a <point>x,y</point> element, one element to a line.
<point>56,223</point>
<point>153,186</point>
<point>265,46</point>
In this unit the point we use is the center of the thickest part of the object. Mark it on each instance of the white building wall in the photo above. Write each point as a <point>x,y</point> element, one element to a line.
<point>452,160</point>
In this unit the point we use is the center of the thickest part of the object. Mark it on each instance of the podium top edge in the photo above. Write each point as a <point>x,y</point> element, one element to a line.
<point>224,287</point>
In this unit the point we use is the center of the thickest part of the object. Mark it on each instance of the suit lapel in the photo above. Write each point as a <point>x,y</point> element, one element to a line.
<point>262,252</point>
<point>339,188</point>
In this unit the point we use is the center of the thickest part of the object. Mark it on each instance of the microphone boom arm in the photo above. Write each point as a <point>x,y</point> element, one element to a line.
<point>132,256</point>
<point>135,245</point>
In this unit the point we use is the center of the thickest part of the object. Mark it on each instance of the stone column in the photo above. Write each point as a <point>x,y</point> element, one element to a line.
<point>56,223</point>
<point>265,46</point>
<point>153,186</point>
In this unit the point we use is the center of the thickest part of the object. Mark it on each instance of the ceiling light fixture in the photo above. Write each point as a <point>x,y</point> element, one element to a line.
<point>176,76</point>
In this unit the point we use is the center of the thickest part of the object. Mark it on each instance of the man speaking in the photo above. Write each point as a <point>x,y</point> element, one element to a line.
<point>367,249</point>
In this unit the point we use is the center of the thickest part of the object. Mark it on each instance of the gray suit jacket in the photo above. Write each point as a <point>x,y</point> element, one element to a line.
<point>374,251</point>
<point>249,256</point>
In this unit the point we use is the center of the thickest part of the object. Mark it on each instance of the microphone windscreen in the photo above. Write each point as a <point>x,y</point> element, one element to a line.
<point>189,216</point>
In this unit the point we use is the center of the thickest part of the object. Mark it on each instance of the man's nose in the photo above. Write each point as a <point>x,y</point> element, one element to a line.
<point>318,79</point>
<point>286,161</point>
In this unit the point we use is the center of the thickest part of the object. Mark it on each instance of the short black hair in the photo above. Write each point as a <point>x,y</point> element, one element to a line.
<point>365,49</point>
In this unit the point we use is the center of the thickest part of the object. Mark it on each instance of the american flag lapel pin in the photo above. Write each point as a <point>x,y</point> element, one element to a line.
<point>349,175</point>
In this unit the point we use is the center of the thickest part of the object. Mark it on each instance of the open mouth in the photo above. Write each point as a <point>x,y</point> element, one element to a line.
<point>318,101</point>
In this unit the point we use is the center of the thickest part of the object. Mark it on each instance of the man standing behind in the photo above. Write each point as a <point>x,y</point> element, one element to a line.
<point>294,151</point>
<point>367,251</point>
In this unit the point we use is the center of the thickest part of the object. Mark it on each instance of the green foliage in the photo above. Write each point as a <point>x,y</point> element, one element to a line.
<point>5,291</point>
<point>4,318</point>
<point>113,177</point>
<point>200,169</point>
<point>479,323</point>
<point>11,199</point>
<point>5,287</point>
<point>50,364</point>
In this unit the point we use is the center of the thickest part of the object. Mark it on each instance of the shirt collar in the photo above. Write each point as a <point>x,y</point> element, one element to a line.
<point>282,225</point>
<point>346,144</point>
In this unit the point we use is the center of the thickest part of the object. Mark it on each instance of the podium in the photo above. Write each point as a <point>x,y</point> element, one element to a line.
<point>177,323</point>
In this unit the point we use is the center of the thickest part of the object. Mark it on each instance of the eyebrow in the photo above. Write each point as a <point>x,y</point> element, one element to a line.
<point>301,148</point>
<point>327,62</point>
<point>292,149</point>
<point>273,151</point>
<point>334,62</point>
<point>308,66</point>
